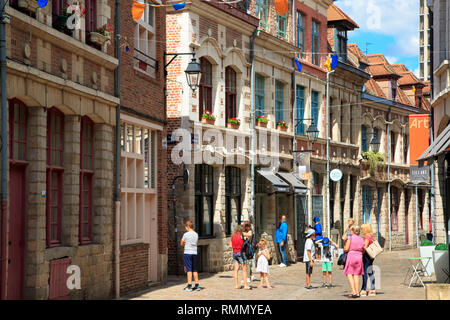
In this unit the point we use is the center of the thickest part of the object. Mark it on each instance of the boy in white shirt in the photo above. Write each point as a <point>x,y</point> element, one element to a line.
<point>189,242</point>
<point>308,256</point>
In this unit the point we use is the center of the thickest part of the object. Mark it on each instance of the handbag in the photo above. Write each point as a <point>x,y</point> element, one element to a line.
<point>343,257</point>
<point>374,249</point>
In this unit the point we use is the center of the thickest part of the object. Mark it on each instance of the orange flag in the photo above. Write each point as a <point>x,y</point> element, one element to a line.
<point>137,10</point>
<point>281,6</point>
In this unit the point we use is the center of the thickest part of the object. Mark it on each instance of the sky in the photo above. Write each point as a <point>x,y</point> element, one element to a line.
<point>391,28</point>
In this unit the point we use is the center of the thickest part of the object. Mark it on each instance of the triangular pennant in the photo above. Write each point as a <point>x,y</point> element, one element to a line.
<point>281,7</point>
<point>42,3</point>
<point>178,6</point>
<point>299,65</point>
<point>137,10</point>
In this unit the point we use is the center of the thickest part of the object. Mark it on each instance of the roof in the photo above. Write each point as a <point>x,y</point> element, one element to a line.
<point>440,145</point>
<point>353,48</point>
<point>337,16</point>
<point>373,88</point>
<point>380,66</point>
<point>408,78</point>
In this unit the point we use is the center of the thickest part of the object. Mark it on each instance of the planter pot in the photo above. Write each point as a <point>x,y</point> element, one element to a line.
<point>427,251</point>
<point>99,38</point>
<point>440,261</point>
<point>281,128</point>
<point>261,124</point>
<point>28,4</point>
<point>208,121</point>
<point>233,126</point>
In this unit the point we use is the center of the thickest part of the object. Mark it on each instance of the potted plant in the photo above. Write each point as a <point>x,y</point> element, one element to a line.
<point>426,249</point>
<point>102,34</point>
<point>440,262</point>
<point>207,117</point>
<point>282,125</point>
<point>233,123</point>
<point>262,121</point>
<point>61,22</point>
<point>374,158</point>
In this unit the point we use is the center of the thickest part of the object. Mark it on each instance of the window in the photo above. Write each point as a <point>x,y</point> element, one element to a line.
<point>393,143</point>
<point>262,12</point>
<point>352,193</point>
<point>332,189</point>
<point>300,110</point>
<point>230,93</point>
<point>17,130</point>
<point>55,169</point>
<point>144,42</point>
<point>204,199</point>
<point>363,139</point>
<point>279,99</point>
<point>205,87</point>
<point>301,34</point>
<point>367,203</point>
<point>395,203</point>
<point>420,203</point>
<point>90,16</point>
<point>315,42</point>
<point>341,122</point>
<point>342,196</point>
<point>315,107</point>
<point>350,129</point>
<point>342,45</point>
<point>330,121</point>
<point>86,173</point>
<point>57,9</point>
<point>232,198</point>
<point>405,149</point>
<point>316,183</point>
<point>282,26</point>
<point>259,95</point>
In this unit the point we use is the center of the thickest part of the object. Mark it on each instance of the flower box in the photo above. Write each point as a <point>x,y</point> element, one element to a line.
<point>99,38</point>
<point>261,124</point>
<point>233,125</point>
<point>427,251</point>
<point>281,128</point>
<point>208,121</point>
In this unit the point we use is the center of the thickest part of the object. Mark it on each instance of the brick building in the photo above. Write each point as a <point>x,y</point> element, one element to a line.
<point>143,250</point>
<point>60,91</point>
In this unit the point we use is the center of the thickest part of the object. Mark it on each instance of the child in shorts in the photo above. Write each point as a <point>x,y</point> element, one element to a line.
<point>327,248</point>
<point>189,242</point>
<point>308,256</point>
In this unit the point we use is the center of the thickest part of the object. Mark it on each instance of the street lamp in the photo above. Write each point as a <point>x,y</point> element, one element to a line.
<point>193,71</point>
<point>312,132</point>
<point>375,141</point>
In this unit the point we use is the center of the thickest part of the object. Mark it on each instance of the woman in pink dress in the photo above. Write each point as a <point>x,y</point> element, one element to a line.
<point>354,263</point>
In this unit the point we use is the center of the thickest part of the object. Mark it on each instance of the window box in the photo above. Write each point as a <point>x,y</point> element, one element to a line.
<point>233,126</point>
<point>281,128</point>
<point>99,38</point>
<point>28,4</point>
<point>208,121</point>
<point>261,124</point>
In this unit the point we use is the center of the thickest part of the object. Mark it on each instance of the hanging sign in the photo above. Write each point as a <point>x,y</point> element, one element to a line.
<point>336,175</point>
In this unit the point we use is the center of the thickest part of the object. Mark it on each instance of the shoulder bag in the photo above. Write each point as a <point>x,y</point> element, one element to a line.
<point>343,257</point>
<point>374,249</point>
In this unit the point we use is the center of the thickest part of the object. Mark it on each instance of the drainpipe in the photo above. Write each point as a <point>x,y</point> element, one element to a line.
<point>328,151</point>
<point>432,198</point>
<point>4,148</point>
<point>117,191</point>
<point>388,139</point>
<point>294,141</point>
<point>252,130</point>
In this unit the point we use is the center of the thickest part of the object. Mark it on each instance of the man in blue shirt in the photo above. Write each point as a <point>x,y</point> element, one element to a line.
<point>281,239</point>
<point>319,235</point>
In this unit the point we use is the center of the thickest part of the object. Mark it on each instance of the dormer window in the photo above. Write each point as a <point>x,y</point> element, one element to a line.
<point>342,44</point>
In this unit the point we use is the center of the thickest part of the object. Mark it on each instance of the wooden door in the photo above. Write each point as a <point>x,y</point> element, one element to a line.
<point>16,256</point>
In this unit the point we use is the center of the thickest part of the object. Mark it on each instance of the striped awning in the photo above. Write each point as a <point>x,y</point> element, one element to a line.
<point>440,145</point>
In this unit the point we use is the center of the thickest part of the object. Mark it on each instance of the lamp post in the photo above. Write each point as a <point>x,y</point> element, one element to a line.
<point>312,132</point>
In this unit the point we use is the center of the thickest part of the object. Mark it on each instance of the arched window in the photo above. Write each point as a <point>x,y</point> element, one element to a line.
<point>204,193</point>
<point>205,87</point>
<point>232,198</point>
<point>230,94</point>
<point>395,204</point>
<point>86,173</point>
<point>363,138</point>
<point>55,169</point>
<point>17,130</point>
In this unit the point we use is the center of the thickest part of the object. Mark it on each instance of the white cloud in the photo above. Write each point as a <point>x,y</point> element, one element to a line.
<point>391,59</point>
<point>399,19</point>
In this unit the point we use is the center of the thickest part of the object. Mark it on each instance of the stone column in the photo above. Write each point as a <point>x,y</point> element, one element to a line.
<point>357,205</point>
<point>439,189</point>
<point>401,219</point>
<point>36,270</point>
<point>71,181</point>
<point>426,211</point>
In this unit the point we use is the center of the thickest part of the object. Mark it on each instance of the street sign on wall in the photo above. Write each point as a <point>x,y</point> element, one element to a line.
<point>419,140</point>
<point>302,165</point>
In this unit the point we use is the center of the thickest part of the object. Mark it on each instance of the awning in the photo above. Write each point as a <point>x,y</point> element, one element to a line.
<point>278,184</point>
<point>295,182</point>
<point>439,146</point>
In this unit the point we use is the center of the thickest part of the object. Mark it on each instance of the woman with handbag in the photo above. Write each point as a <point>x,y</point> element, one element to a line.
<point>354,247</point>
<point>367,261</point>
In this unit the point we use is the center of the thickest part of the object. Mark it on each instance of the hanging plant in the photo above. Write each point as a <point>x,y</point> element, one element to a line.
<point>374,158</point>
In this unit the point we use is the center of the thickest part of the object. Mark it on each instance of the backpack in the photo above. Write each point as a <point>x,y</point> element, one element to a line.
<point>247,248</point>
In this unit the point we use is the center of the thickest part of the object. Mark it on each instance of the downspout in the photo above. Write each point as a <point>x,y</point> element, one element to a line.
<point>327,129</point>
<point>388,138</point>
<point>4,149</point>
<point>432,198</point>
<point>252,130</point>
<point>294,142</point>
<point>117,191</point>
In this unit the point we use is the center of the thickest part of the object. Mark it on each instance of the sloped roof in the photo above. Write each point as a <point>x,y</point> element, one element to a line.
<point>382,70</point>
<point>353,48</point>
<point>373,88</point>
<point>336,15</point>
<point>408,78</point>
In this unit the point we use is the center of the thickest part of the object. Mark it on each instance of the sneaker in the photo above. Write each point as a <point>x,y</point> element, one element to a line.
<point>197,287</point>
<point>363,293</point>
<point>309,288</point>
<point>242,282</point>
<point>330,286</point>
<point>252,278</point>
<point>282,265</point>
<point>188,288</point>
<point>324,285</point>
<point>372,293</point>
<point>249,280</point>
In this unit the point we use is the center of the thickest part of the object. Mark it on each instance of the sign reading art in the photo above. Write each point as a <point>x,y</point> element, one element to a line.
<point>419,135</point>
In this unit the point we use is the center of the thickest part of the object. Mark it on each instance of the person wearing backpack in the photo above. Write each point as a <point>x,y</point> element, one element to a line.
<point>239,257</point>
<point>248,236</point>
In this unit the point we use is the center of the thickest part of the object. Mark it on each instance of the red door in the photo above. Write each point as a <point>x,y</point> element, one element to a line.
<point>16,258</point>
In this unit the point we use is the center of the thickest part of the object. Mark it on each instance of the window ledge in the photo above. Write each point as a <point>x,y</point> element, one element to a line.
<point>58,252</point>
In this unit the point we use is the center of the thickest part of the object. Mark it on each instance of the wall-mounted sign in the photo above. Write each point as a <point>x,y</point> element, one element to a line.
<point>419,140</point>
<point>336,175</point>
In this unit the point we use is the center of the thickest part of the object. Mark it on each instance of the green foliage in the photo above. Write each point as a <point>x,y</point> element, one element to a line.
<point>374,158</point>
<point>441,246</point>
<point>262,119</point>
<point>426,243</point>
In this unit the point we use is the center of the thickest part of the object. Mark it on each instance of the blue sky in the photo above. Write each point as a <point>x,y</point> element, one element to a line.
<point>391,28</point>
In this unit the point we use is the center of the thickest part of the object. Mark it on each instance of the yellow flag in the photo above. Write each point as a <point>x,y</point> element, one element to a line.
<point>328,64</point>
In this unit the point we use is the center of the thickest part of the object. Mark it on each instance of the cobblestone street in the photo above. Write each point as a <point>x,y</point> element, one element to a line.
<point>288,284</point>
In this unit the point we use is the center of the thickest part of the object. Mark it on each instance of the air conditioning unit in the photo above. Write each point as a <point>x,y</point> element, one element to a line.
<point>28,4</point>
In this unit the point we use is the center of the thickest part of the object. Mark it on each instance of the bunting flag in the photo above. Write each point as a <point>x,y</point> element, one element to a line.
<point>137,10</point>
<point>281,7</point>
<point>178,6</point>
<point>328,64</point>
<point>414,89</point>
<point>42,3</point>
<point>334,61</point>
<point>299,65</point>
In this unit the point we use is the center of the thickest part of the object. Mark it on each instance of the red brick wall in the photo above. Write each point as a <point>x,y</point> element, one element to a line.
<point>133,267</point>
